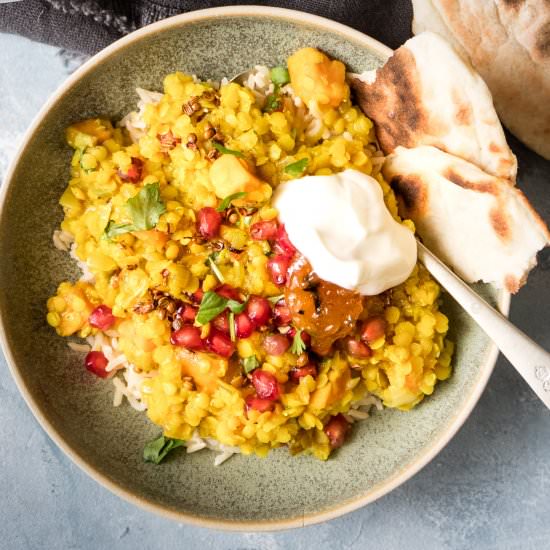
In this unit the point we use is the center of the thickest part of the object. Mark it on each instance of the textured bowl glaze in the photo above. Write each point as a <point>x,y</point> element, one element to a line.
<point>75,408</point>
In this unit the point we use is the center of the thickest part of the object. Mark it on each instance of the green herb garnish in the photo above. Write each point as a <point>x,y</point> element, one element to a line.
<point>224,205</point>
<point>215,269</point>
<point>272,102</point>
<point>145,210</point>
<point>298,346</point>
<point>231,321</point>
<point>113,229</point>
<point>224,150</point>
<point>275,299</point>
<point>296,168</point>
<point>250,363</point>
<point>155,451</point>
<point>279,76</point>
<point>213,304</point>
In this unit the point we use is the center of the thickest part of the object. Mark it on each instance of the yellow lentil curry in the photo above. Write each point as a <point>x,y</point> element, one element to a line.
<point>193,271</point>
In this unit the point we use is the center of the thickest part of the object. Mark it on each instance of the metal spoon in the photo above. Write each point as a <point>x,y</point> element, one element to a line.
<point>526,356</point>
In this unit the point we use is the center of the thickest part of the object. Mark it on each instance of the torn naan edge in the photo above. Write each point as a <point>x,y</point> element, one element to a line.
<point>426,94</point>
<point>508,43</point>
<point>480,225</point>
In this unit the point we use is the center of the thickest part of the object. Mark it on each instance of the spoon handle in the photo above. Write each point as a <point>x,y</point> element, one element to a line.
<point>528,358</point>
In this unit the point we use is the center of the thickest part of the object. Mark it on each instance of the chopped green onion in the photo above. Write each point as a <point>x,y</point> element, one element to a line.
<point>272,102</point>
<point>216,270</point>
<point>296,168</point>
<point>224,205</point>
<point>232,326</point>
<point>279,76</point>
<point>224,150</point>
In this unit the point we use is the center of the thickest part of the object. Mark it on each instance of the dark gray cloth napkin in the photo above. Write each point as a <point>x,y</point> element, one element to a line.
<point>88,26</point>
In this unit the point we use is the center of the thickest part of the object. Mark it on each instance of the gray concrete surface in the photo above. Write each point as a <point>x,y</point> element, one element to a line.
<point>489,489</point>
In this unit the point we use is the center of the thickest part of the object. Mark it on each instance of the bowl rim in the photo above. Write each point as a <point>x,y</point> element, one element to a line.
<point>486,364</point>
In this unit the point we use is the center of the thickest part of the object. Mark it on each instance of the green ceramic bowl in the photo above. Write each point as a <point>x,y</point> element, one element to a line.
<point>75,408</point>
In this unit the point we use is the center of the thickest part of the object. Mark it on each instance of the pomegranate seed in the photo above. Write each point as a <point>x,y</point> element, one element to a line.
<point>96,362</point>
<point>228,292</point>
<point>336,429</point>
<point>266,385</point>
<point>196,297</point>
<point>281,314</point>
<point>373,329</point>
<point>102,317</point>
<point>358,349</point>
<point>186,313</point>
<point>258,310</point>
<point>278,267</point>
<point>188,337</point>
<point>276,344</point>
<point>221,322</point>
<point>258,404</point>
<point>264,231</point>
<point>220,343</point>
<point>299,372</point>
<point>283,244</point>
<point>244,327</point>
<point>209,221</point>
<point>134,171</point>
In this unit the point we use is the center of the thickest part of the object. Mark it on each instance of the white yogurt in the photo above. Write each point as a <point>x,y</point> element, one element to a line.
<point>340,223</point>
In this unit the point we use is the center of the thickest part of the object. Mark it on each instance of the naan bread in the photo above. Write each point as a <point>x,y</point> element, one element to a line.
<point>477,223</point>
<point>426,94</point>
<point>508,42</point>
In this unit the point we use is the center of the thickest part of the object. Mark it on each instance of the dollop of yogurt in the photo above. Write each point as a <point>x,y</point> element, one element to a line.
<point>342,226</point>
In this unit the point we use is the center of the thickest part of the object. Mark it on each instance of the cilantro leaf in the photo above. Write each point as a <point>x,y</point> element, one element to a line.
<point>113,229</point>
<point>296,168</point>
<point>250,363</point>
<point>213,304</point>
<point>224,150</point>
<point>155,451</point>
<point>298,346</point>
<point>224,205</point>
<point>236,307</point>
<point>279,76</point>
<point>146,207</point>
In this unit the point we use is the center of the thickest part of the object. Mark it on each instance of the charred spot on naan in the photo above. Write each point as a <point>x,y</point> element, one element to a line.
<point>542,42</point>
<point>499,222</point>
<point>411,194</point>
<point>395,104</point>
<point>513,284</point>
<point>514,4</point>
<point>478,186</point>
<point>463,114</point>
